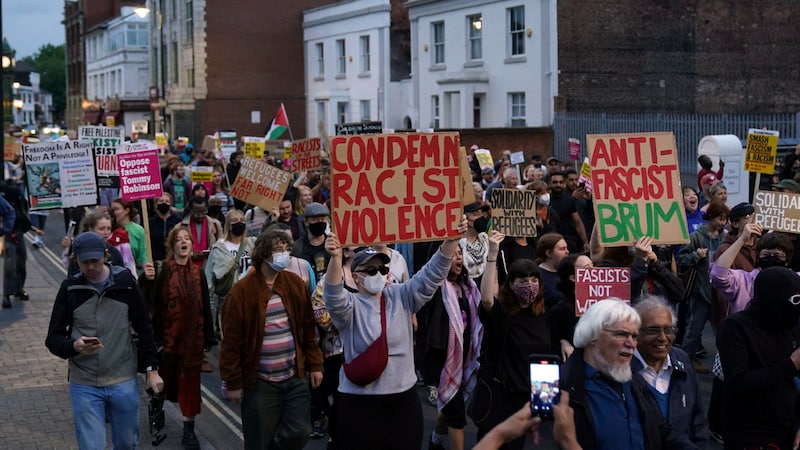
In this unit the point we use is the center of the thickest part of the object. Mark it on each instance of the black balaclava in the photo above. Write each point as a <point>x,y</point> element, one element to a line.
<point>771,303</point>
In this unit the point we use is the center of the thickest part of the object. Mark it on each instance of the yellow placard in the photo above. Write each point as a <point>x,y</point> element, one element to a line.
<point>253,147</point>
<point>761,151</point>
<point>161,140</point>
<point>202,174</point>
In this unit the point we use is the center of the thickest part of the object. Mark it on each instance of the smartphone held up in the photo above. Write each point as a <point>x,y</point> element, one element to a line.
<point>544,379</point>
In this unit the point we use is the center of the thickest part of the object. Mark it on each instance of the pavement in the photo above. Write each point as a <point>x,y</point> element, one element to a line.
<point>35,411</point>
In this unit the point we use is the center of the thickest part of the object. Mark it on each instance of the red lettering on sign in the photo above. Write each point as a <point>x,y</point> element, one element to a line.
<point>635,183</point>
<point>342,183</point>
<point>338,164</point>
<point>364,190</point>
<point>381,189</point>
<point>409,198</point>
<point>441,189</point>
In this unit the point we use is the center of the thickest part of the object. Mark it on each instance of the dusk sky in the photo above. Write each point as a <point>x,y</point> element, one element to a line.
<point>30,24</point>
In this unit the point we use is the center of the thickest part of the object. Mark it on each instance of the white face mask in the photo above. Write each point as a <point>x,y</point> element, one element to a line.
<point>374,284</point>
<point>280,261</point>
<point>544,199</point>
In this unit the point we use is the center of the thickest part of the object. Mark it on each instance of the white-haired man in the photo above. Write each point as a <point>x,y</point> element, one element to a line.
<point>612,408</point>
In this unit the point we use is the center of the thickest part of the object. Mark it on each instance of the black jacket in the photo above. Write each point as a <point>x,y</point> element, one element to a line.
<point>658,433</point>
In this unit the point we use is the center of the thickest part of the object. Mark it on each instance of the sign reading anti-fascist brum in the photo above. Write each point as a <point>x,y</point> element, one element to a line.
<point>260,184</point>
<point>778,211</point>
<point>637,190</point>
<point>395,187</point>
<point>514,212</point>
<point>599,283</point>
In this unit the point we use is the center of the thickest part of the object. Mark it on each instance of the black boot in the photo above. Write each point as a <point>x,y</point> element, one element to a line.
<point>6,301</point>
<point>22,295</point>
<point>189,440</point>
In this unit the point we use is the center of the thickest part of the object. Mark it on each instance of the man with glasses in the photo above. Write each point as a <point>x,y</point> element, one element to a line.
<point>612,408</point>
<point>668,370</point>
<point>205,229</point>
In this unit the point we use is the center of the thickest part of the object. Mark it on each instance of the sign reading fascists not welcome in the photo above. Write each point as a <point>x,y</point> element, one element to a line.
<point>598,283</point>
<point>778,211</point>
<point>514,212</point>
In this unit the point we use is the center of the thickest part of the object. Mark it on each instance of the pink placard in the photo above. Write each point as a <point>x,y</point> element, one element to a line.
<point>599,283</point>
<point>139,175</point>
<point>574,149</point>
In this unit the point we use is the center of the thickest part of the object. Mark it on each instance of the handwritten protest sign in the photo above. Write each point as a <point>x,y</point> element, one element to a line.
<point>514,212</point>
<point>106,141</point>
<point>260,184</point>
<point>637,190</point>
<point>306,155</point>
<point>253,147</point>
<point>395,187</point>
<point>139,171</point>
<point>61,174</point>
<point>484,158</point>
<point>777,211</point>
<point>226,144</point>
<point>599,283</point>
<point>761,151</point>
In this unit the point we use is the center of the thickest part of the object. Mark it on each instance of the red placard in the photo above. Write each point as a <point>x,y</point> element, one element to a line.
<point>599,283</point>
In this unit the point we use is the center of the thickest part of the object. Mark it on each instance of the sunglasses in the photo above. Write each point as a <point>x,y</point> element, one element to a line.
<point>371,271</point>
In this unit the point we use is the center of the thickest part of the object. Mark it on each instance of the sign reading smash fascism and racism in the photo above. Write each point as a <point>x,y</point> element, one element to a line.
<point>598,283</point>
<point>777,211</point>
<point>637,191</point>
<point>514,212</point>
<point>395,187</point>
<point>761,151</point>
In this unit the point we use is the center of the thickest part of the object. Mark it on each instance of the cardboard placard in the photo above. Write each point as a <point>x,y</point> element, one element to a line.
<point>306,155</point>
<point>61,174</point>
<point>599,283</point>
<point>253,147</point>
<point>260,184</point>
<point>761,151</point>
<point>395,187</point>
<point>777,211</point>
<point>485,159</point>
<point>106,141</point>
<point>637,188</point>
<point>209,144</point>
<point>514,212</point>
<point>468,194</point>
<point>139,172</point>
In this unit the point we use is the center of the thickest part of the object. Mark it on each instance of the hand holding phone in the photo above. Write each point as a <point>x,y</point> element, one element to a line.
<point>91,340</point>
<point>544,379</point>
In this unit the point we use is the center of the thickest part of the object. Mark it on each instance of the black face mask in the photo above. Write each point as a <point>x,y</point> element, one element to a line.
<point>770,261</point>
<point>163,208</point>
<point>481,224</point>
<point>238,228</point>
<point>215,210</point>
<point>318,228</point>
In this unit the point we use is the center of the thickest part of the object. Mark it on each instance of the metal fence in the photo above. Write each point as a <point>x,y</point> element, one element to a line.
<point>688,129</point>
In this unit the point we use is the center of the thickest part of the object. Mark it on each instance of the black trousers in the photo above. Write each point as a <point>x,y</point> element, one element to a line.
<point>386,422</point>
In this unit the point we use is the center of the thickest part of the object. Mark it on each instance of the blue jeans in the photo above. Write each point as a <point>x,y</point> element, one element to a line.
<point>701,313</point>
<point>276,415</point>
<point>89,406</point>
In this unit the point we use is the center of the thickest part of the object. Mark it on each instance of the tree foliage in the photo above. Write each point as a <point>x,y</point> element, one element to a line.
<point>50,63</point>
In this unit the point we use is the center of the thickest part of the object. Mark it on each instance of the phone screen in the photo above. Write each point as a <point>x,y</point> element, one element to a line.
<point>91,340</point>
<point>544,387</point>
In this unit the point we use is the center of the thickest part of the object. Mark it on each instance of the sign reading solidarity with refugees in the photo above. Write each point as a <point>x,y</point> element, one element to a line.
<point>139,171</point>
<point>105,141</point>
<point>306,155</point>
<point>761,151</point>
<point>637,190</point>
<point>514,212</point>
<point>260,184</point>
<point>599,283</point>
<point>61,174</point>
<point>395,187</point>
<point>778,211</point>
<point>253,147</point>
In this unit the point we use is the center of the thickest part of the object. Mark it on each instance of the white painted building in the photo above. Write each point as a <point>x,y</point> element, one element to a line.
<point>118,68</point>
<point>482,63</point>
<point>347,65</point>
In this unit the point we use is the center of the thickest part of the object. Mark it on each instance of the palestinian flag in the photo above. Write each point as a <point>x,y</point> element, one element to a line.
<point>279,125</point>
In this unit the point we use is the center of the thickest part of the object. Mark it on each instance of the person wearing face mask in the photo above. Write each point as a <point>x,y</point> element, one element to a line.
<point>182,319</point>
<point>311,246</point>
<point>378,402</point>
<point>515,326</point>
<point>547,219</point>
<point>205,230</point>
<point>269,352</point>
<point>222,259</point>
<point>160,225</point>
<point>760,361</point>
<point>475,244</point>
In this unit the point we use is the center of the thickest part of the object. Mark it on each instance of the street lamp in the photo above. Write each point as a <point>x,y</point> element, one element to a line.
<point>8,63</point>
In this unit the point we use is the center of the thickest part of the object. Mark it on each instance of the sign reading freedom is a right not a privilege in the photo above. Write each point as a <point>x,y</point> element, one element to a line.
<point>637,190</point>
<point>395,187</point>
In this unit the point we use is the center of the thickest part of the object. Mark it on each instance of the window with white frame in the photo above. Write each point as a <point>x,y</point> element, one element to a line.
<point>437,37</point>
<point>516,30</point>
<point>365,113</point>
<point>364,50</point>
<point>516,102</point>
<point>341,111</point>
<point>434,111</point>
<point>341,57</point>
<point>475,27</point>
<point>320,59</point>
<point>137,34</point>
<point>189,21</point>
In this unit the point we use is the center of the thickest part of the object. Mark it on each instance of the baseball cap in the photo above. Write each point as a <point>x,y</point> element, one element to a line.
<point>708,178</point>
<point>89,245</point>
<point>315,209</point>
<point>475,206</point>
<point>552,158</point>
<point>364,256</point>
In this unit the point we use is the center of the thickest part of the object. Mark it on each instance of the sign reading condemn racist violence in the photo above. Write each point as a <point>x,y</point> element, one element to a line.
<point>778,211</point>
<point>761,151</point>
<point>105,141</point>
<point>599,283</point>
<point>637,191</point>
<point>139,171</point>
<point>260,184</point>
<point>61,174</point>
<point>306,155</point>
<point>395,187</point>
<point>514,212</point>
